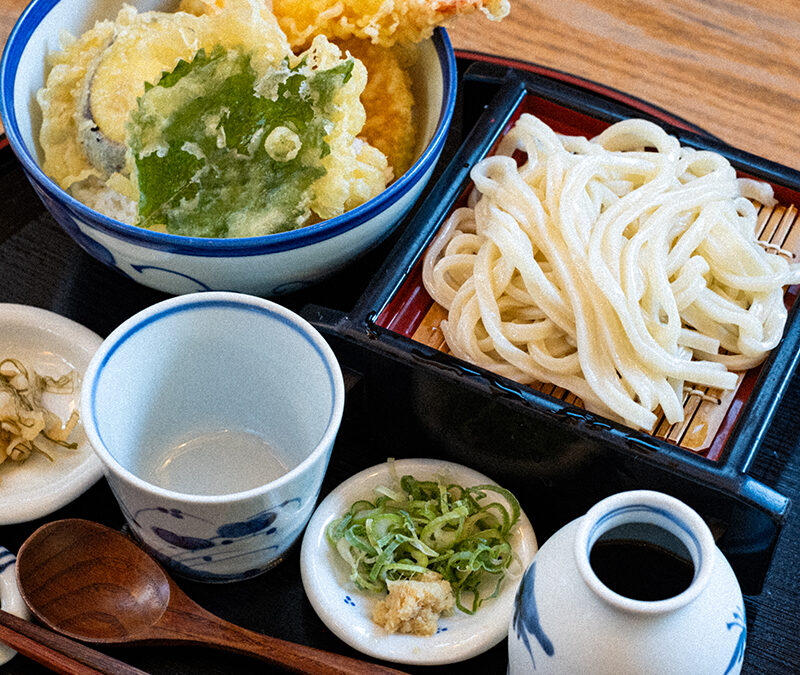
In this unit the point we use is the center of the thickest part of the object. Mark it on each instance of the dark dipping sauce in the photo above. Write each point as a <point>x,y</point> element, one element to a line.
<point>640,570</point>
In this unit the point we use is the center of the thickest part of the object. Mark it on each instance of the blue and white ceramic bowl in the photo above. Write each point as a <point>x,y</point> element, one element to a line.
<point>265,265</point>
<point>214,415</point>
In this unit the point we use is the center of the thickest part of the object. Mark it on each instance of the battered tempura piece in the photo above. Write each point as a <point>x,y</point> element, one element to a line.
<point>382,22</point>
<point>387,97</point>
<point>369,29</point>
<point>96,78</point>
<point>208,124</point>
<point>375,32</point>
<point>388,102</point>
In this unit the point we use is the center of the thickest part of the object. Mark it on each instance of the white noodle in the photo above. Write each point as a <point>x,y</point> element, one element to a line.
<point>619,269</point>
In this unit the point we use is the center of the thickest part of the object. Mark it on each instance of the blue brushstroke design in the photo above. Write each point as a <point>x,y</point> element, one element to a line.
<point>178,514</point>
<point>526,616</point>
<point>142,269</point>
<point>187,555</point>
<point>181,541</point>
<point>258,523</point>
<point>738,652</point>
<point>7,559</point>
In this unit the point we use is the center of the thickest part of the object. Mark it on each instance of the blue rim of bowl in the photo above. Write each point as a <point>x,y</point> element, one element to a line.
<point>200,246</point>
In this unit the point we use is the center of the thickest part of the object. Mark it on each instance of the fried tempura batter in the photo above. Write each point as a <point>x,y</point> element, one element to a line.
<point>101,123</point>
<point>382,22</point>
<point>97,81</point>
<point>388,102</point>
<point>387,98</point>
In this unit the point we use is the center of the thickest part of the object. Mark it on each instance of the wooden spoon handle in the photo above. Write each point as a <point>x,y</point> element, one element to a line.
<point>295,657</point>
<point>289,656</point>
<point>186,621</point>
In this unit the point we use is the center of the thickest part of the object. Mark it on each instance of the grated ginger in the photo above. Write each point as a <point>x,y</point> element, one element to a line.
<point>414,605</point>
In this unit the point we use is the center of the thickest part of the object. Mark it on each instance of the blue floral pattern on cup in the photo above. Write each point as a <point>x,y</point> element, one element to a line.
<point>187,554</point>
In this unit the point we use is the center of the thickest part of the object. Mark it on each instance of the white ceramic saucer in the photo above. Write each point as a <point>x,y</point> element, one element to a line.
<point>348,612</point>
<point>52,345</point>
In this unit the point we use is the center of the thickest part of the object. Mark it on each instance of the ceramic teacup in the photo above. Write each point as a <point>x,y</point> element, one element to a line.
<point>214,415</point>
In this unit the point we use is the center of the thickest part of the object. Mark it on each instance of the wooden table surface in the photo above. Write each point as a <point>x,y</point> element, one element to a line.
<point>731,67</point>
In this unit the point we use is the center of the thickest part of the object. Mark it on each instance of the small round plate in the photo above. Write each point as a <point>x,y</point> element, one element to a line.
<point>348,612</point>
<point>51,345</point>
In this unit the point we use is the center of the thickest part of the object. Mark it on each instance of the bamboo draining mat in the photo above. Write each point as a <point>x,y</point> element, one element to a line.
<point>705,409</point>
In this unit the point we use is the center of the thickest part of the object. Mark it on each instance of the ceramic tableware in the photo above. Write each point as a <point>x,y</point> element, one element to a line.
<point>263,265</point>
<point>51,345</point>
<point>10,598</point>
<point>214,415</point>
<point>636,585</point>
<point>348,612</point>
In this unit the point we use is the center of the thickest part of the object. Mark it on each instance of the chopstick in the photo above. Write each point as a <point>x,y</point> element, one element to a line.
<point>59,653</point>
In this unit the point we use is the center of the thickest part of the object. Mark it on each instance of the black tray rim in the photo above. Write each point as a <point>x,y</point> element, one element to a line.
<point>729,472</point>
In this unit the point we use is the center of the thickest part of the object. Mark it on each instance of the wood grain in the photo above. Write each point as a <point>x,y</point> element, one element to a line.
<point>92,583</point>
<point>731,67</point>
<point>59,654</point>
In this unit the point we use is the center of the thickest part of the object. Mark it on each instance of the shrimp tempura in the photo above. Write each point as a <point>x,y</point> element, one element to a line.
<point>382,22</point>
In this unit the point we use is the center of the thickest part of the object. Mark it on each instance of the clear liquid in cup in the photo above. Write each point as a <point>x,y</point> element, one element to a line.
<point>215,463</point>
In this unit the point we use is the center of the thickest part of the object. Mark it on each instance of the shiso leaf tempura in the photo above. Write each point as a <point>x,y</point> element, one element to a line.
<point>223,162</point>
<point>417,527</point>
<point>208,125</point>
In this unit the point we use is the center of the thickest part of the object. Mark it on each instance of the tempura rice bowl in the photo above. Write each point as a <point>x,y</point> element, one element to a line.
<point>265,265</point>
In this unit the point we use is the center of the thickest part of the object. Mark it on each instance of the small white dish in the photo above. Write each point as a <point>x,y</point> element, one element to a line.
<point>348,612</point>
<point>51,345</point>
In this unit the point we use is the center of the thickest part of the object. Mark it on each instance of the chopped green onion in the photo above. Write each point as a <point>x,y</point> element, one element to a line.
<point>418,526</point>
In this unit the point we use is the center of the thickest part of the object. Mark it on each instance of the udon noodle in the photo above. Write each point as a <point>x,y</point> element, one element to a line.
<point>620,269</point>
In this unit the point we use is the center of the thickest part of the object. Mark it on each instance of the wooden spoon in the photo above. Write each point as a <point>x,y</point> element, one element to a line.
<point>94,584</point>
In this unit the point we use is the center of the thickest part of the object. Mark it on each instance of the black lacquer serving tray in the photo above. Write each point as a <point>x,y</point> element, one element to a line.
<point>536,441</point>
<point>408,399</point>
